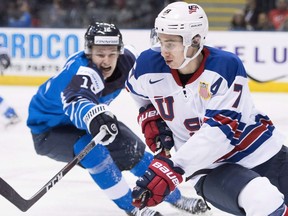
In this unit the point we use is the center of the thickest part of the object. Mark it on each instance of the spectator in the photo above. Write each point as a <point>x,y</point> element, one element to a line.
<point>55,15</point>
<point>20,16</point>
<point>97,11</point>
<point>278,15</point>
<point>76,13</point>
<point>238,22</point>
<point>124,13</point>
<point>284,26</point>
<point>4,15</point>
<point>263,23</point>
<point>265,5</point>
<point>251,12</point>
<point>75,18</point>
<point>35,9</point>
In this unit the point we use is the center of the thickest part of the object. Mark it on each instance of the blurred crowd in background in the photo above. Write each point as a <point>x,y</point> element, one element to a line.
<point>257,15</point>
<point>261,15</point>
<point>79,13</point>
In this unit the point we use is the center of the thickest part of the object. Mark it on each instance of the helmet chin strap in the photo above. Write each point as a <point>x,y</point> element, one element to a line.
<point>186,59</point>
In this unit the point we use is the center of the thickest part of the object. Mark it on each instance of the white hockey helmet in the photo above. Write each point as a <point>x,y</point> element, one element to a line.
<point>187,20</point>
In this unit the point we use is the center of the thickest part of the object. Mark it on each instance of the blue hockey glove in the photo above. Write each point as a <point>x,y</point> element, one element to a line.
<point>158,181</point>
<point>158,135</point>
<point>99,118</point>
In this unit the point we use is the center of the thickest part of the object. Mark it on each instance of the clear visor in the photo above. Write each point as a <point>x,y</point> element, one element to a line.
<point>105,53</point>
<point>165,45</point>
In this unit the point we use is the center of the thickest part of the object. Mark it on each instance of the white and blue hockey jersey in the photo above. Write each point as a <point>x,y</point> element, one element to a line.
<point>65,98</point>
<point>212,117</point>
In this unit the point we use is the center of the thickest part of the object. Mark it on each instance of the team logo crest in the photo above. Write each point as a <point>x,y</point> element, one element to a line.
<point>192,8</point>
<point>166,12</point>
<point>204,91</point>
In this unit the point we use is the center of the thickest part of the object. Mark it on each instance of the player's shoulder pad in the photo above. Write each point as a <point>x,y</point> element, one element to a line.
<point>150,61</point>
<point>126,61</point>
<point>132,50</point>
<point>76,60</point>
<point>226,64</point>
<point>95,78</point>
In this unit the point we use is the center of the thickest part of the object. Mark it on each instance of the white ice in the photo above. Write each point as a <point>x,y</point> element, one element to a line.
<point>76,194</point>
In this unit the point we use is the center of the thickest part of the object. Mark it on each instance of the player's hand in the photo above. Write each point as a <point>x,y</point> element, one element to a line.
<point>158,181</point>
<point>158,135</point>
<point>103,120</point>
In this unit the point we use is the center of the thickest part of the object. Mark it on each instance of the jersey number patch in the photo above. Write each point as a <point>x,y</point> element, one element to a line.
<point>191,124</point>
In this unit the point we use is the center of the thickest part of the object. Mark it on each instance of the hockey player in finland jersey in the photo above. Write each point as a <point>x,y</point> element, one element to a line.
<point>229,150</point>
<point>64,116</point>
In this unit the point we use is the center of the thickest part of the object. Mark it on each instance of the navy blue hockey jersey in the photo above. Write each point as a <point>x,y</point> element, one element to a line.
<point>65,98</point>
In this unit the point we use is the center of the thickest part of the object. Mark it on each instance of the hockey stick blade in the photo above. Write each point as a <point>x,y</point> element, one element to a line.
<point>24,204</point>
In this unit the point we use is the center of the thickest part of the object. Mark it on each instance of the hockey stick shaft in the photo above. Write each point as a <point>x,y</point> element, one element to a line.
<point>24,204</point>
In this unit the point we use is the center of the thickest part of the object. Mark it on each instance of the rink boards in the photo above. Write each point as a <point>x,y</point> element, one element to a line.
<point>38,54</point>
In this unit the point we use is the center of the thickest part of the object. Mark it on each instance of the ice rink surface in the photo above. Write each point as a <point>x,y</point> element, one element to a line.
<point>76,194</point>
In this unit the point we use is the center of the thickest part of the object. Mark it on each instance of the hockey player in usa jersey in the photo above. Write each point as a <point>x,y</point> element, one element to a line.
<point>71,107</point>
<point>230,151</point>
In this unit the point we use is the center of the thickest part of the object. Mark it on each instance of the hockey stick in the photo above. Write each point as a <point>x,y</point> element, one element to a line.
<point>24,204</point>
<point>268,80</point>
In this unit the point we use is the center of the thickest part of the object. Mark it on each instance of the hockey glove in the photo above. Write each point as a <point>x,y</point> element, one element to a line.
<point>159,180</point>
<point>99,118</point>
<point>158,135</point>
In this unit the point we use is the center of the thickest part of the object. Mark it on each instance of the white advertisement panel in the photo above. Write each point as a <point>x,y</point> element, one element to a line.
<point>42,52</point>
<point>264,54</point>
